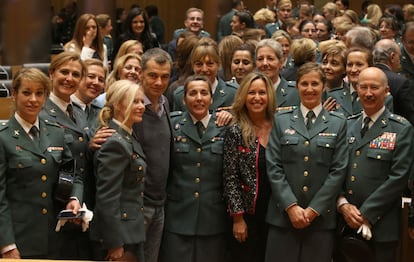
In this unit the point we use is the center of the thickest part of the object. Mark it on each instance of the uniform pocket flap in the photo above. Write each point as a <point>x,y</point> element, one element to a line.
<point>20,162</point>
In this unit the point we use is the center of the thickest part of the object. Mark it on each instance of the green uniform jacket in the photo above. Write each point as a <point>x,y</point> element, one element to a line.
<point>344,103</point>
<point>306,167</point>
<point>379,166</point>
<point>195,203</point>
<point>222,97</point>
<point>75,135</point>
<point>28,176</point>
<point>286,94</point>
<point>120,174</point>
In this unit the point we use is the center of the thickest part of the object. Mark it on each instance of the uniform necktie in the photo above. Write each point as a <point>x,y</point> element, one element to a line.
<point>200,128</point>
<point>69,109</point>
<point>309,116</point>
<point>354,96</point>
<point>365,126</point>
<point>34,132</point>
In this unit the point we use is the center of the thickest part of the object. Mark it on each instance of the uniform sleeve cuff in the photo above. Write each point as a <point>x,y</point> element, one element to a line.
<point>8,248</point>
<point>341,201</point>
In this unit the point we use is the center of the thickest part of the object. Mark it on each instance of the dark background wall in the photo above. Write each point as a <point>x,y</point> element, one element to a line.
<point>25,24</point>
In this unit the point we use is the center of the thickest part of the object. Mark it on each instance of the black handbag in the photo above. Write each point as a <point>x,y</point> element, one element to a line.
<point>65,181</point>
<point>354,247</point>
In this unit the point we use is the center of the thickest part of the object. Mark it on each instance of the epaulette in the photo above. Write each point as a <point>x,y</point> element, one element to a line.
<point>398,118</point>
<point>285,109</point>
<point>337,114</point>
<point>176,113</point>
<point>355,116</point>
<point>179,90</point>
<point>291,84</point>
<point>3,124</point>
<point>204,33</point>
<point>232,80</point>
<point>49,123</point>
<point>232,85</point>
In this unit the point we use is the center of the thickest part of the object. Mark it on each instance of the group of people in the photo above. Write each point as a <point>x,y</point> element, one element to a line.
<point>248,149</point>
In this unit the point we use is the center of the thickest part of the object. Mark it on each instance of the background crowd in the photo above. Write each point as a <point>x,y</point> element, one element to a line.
<point>279,139</point>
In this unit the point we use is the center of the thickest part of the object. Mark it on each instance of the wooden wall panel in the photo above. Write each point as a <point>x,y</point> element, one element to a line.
<point>173,11</point>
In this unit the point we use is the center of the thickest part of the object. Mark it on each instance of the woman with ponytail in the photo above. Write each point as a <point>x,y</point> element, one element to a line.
<point>118,225</point>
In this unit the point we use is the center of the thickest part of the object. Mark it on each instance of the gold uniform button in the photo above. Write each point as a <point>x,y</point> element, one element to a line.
<point>350,192</point>
<point>305,189</point>
<point>378,156</point>
<point>196,194</point>
<point>306,173</point>
<point>378,218</point>
<point>124,215</point>
<point>139,168</point>
<point>306,143</point>
<point>358,153</point>
<point>306,159</point>
<point>44,211</point>
<point>327,145</point>
<point>43,161</point>
<point>20,165</point>
<point>197,180</point>
<point>142,194</point>
<point>142,209</point>
<point>44,195</point>
<point>354,165</point>
<point>81,154</point>
<point>198,164</point>
<point>198,150</point>
<point>43,178</point>
<point>80,139</point>
<point>353,178</point>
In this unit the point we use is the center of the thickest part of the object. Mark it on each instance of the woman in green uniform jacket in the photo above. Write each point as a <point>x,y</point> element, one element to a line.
<point>118,227</point>
<point>195,212</point>
<point>32,151</point>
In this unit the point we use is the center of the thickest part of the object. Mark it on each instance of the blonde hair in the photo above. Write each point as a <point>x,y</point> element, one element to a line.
<point>119,65</point>
<point>64,57</point>
<point>303,50</point>
<point>33,75</point>
<point>264,16</point>
<point>240,112</point>
<point>331,8</point>
<point>374,14</point>
<point>408,10</point>
<point>118,92</point>
<point>123,49</point>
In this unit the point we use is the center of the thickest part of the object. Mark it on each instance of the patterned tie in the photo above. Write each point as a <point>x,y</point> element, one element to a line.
<point>200,128</point>
<point>34,132</point>
<point>309,116</point>
<point>69,109</point>
<point>365,126</point>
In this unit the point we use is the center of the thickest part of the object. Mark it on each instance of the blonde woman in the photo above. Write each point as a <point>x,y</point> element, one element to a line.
<point>118,228</point>
<point>246,186</point>
<point>129,46</point>
<point>126,67</point>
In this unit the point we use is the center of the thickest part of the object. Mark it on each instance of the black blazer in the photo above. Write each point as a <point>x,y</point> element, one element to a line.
<point>402,92</point>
